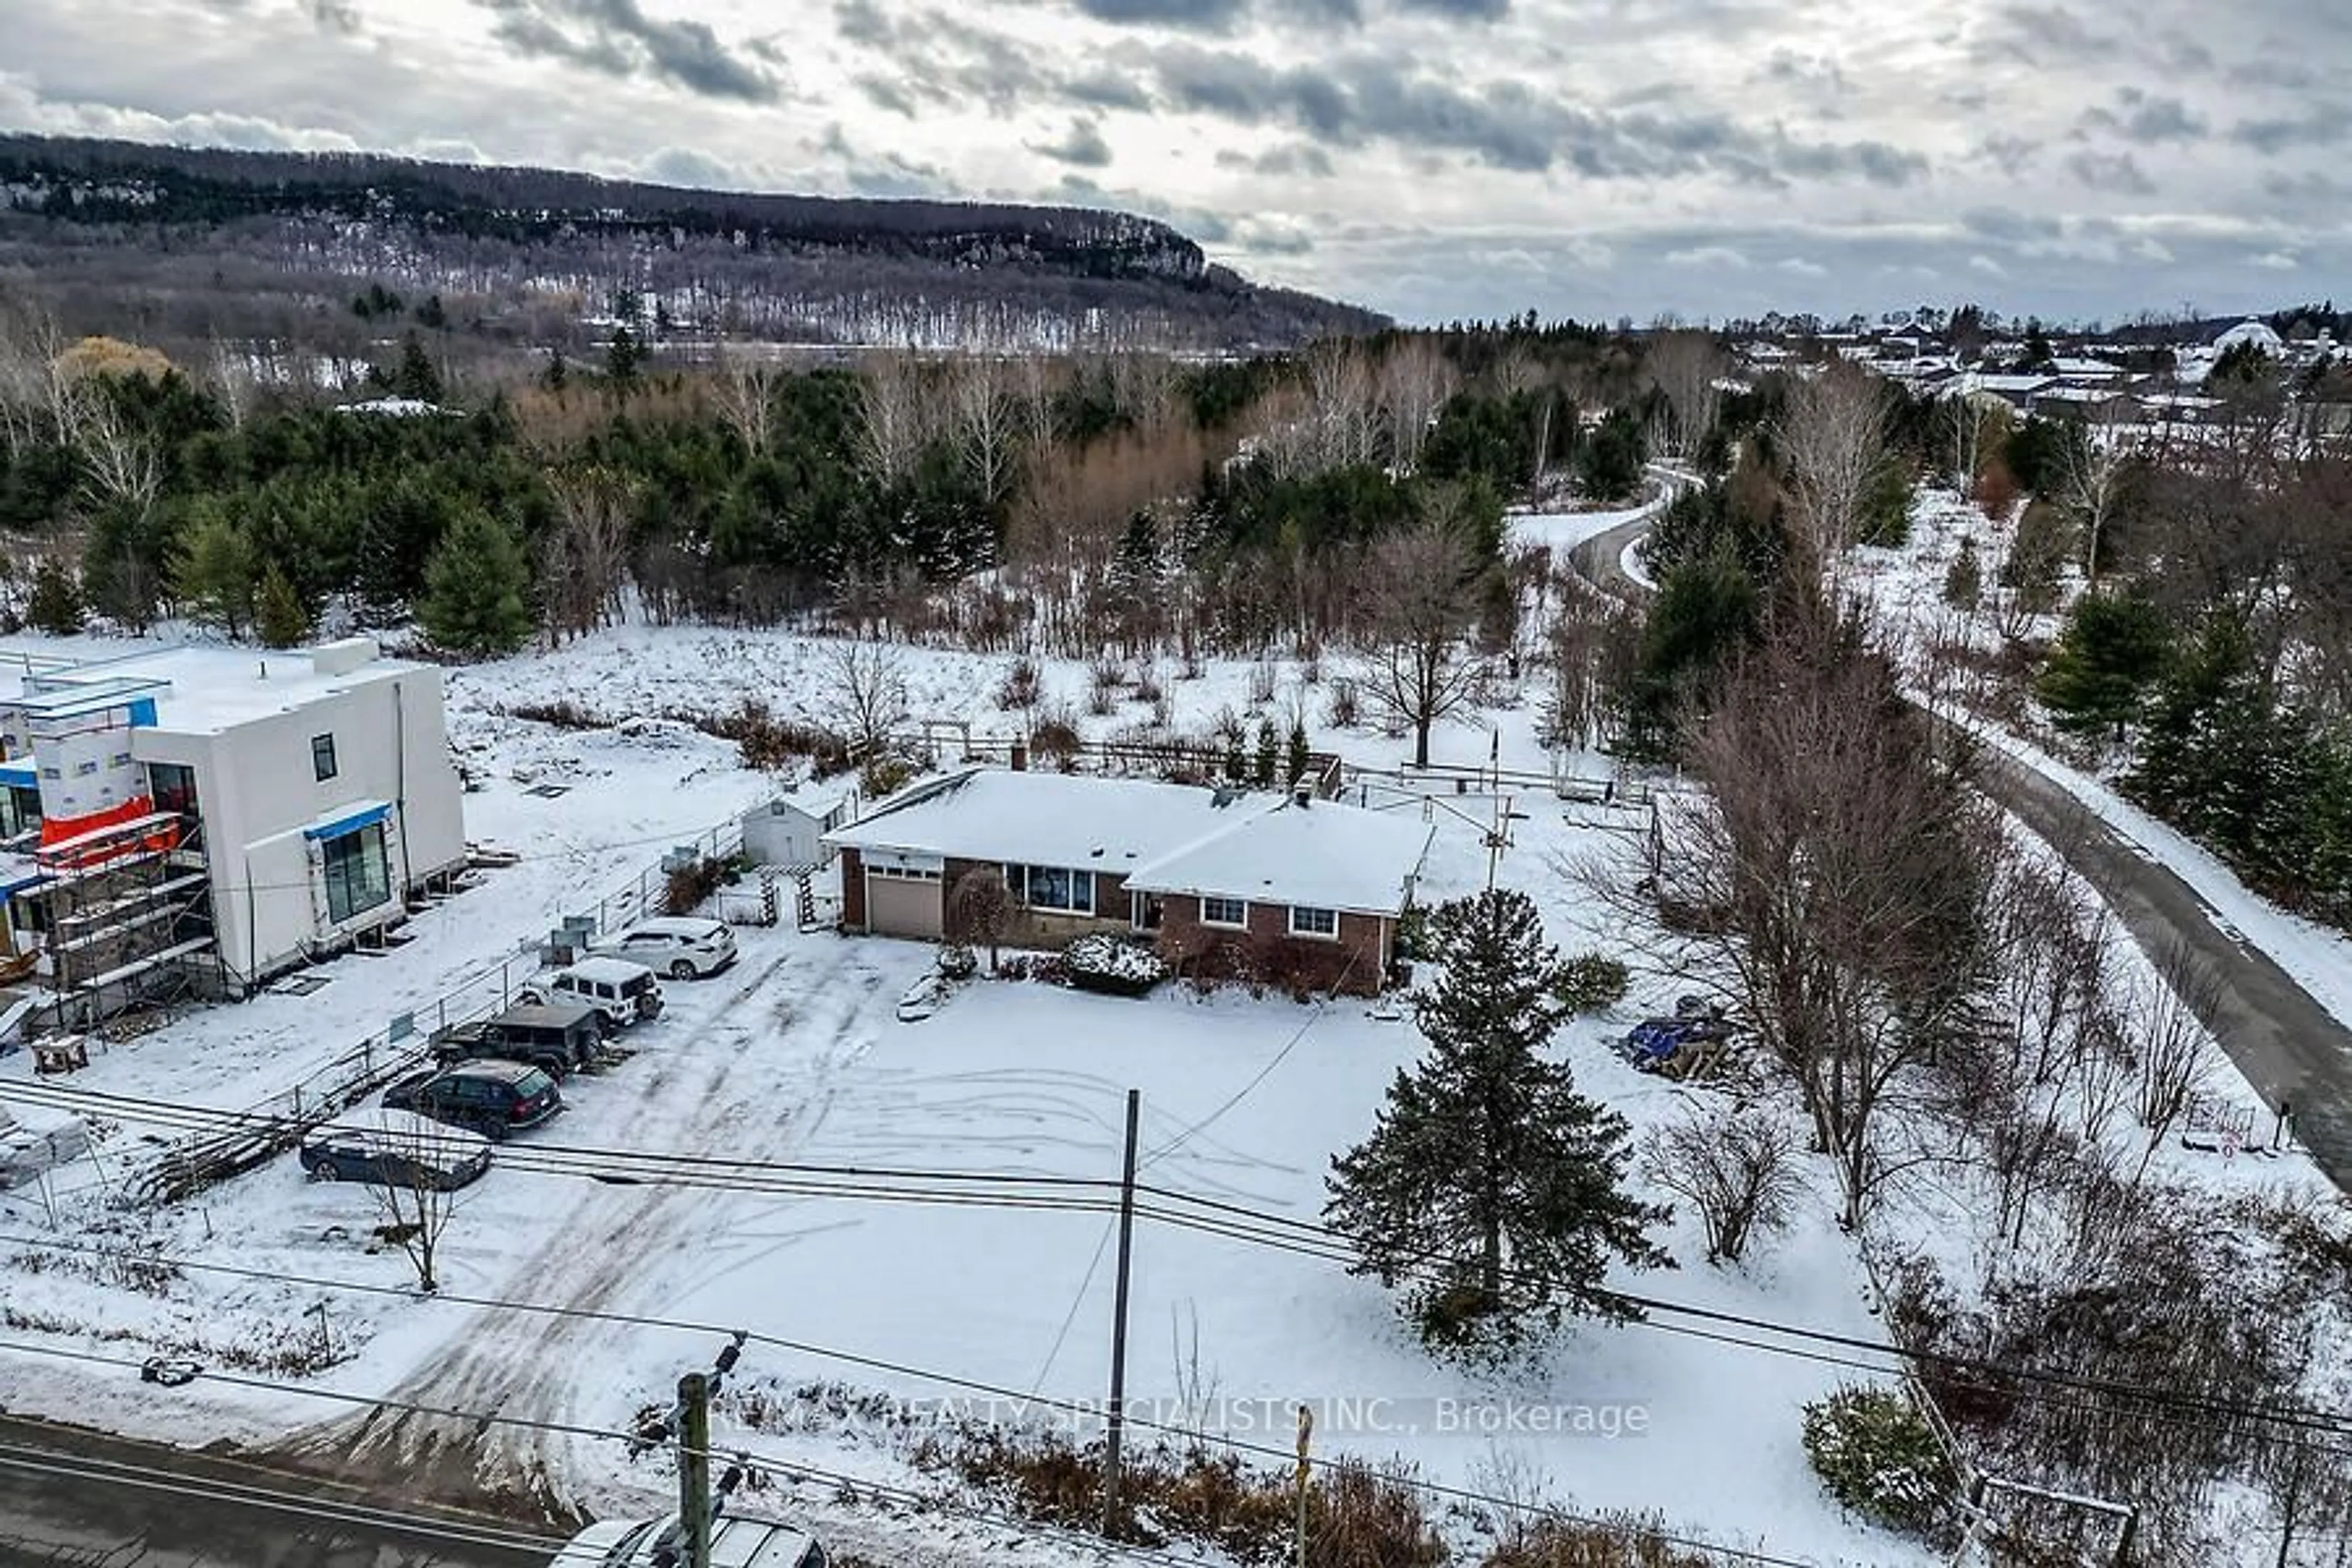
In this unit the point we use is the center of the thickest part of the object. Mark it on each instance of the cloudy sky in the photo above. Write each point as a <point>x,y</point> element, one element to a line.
<point>1430,158</point>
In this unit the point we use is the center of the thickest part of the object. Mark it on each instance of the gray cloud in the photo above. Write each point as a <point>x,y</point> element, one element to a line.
<point>616,38</point>
<point>2145,118</point>
<point>2110,171</point>
<point>1083,146</point>
<point>2323,126</point>
<point>1504,124</point>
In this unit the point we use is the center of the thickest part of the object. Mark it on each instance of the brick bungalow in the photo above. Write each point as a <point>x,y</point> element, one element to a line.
<point>1298,890</point>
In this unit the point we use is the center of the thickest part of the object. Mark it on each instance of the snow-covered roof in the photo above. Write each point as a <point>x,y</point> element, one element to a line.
<point>2001,384</point>
<point>1323,855</point>
<point>198,689</point>
<point>1176,837</point>
<point>2086,367</point>
<point>2078,394</point>
<point>2250,330</point>
<point>396,407</point>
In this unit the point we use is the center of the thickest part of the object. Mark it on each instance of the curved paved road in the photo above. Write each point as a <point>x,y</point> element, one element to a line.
<point>2291,1049</point>
<point>69,1496</point>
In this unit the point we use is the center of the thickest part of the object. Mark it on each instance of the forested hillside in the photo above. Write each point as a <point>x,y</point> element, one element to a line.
<point>190,242</point>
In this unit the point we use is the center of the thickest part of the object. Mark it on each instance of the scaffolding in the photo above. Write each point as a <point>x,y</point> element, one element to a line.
<point>129,915</point>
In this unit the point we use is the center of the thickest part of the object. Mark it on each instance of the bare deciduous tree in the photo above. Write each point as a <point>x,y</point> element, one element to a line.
<point>1738,1168</point>
<point>2091,478</point>
<point>2170,1046</point>
<point>744,393</point>
<point>1416,380</point>
<point>893,425</point>
<point>588,553</point>
<point>865,693</point>
<point>1970,421</point>
<point>1833,434</point>
<point>1422,600</point>
<point>979,910</point>
<point>413,1189</point>
<point>1841,862</point>
<point>1684,367</point>
<point>983,417</point>
<point>1343,403</point>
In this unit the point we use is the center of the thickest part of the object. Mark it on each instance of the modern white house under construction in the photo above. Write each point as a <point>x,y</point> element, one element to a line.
<point>212,816</point>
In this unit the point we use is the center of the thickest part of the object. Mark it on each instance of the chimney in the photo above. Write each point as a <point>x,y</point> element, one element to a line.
<point>1019,756</point>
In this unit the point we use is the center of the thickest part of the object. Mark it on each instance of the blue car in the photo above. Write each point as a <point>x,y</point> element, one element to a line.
<point>395,1149</point>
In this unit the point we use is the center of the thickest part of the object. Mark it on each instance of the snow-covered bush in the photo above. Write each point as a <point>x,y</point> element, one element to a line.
<point>1877,1456</point>
<point>957,962</point>
<point>1101,961</point>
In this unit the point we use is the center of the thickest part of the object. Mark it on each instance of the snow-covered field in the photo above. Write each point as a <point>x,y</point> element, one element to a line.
<point>795,1055</point>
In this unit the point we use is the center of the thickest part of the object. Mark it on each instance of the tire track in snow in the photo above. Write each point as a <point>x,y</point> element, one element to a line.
<point>605,1249</point>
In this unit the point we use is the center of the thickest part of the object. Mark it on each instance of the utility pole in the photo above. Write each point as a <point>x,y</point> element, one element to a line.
<point>1306,1471</point>
<point>1118,1323</point>
<point>694,1468</point>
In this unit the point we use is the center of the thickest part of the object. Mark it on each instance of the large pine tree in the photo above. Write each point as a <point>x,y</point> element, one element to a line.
<point>2114,650</point>
<point>475,587</point>
<point>1490,1192</point>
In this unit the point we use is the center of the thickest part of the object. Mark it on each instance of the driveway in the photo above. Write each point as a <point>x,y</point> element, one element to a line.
<point>2288,1046</point>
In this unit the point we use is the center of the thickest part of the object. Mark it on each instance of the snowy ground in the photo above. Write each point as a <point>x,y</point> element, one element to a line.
<point>795,1055</point>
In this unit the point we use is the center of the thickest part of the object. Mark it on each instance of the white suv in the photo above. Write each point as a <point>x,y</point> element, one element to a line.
<point>621,993</point>
<point>680,946</point>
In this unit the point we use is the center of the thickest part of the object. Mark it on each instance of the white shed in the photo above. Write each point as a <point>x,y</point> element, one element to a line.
<point>789,831</point>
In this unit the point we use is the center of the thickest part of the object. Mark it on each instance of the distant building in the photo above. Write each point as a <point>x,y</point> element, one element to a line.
<point>210,817</point>
<point>2250,331</point>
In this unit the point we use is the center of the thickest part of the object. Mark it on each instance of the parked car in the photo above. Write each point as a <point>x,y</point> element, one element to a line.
<point>736,1542</point>
<point>623,992</point>
<point>680,946</point>
<point>493,1098</point>
<point>395,1149</point>
<point>560,1037</point>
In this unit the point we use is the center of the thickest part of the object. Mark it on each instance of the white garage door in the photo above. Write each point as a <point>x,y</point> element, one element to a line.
<point>902,905</point>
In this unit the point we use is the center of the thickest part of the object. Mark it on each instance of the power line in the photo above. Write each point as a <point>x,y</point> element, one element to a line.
<point>851,1358</point>
<point>1227,1221</point>
<point>215,1490</point>
<point>1094,1545</point>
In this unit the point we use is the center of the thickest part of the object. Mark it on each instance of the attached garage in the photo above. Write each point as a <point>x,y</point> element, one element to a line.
<point>905,895</point>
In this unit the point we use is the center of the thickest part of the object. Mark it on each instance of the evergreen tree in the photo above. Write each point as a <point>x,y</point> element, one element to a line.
<point>1609,464</point>
<point>1235,767</point>
<point>55,606</point>
<point>2222,761</point>
<point>557,375</point>
<point>279,616</point>
<point>624,356</point>
<point>475,586</point>
<point>1490,1192</point>
<point>1704,610</point>
<point>1262,761</point>
<point>1296,762</point>
<point>1963,578</point>
<point>416,376</point>
<point>213,571</point>
<point>2112,653</point>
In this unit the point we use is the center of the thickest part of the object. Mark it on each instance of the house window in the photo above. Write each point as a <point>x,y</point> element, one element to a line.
<point>1056,889</point>
<point>1304,921</point>
<point>322,757</point>
<point>1232,913</point>
<point>357,874</point>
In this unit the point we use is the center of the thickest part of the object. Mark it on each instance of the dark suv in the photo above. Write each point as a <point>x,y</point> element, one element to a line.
<point>493,1098</point>
<point>560,1038</point>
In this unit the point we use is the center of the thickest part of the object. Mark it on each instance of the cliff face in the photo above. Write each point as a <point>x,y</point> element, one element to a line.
<point>779,266</point>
